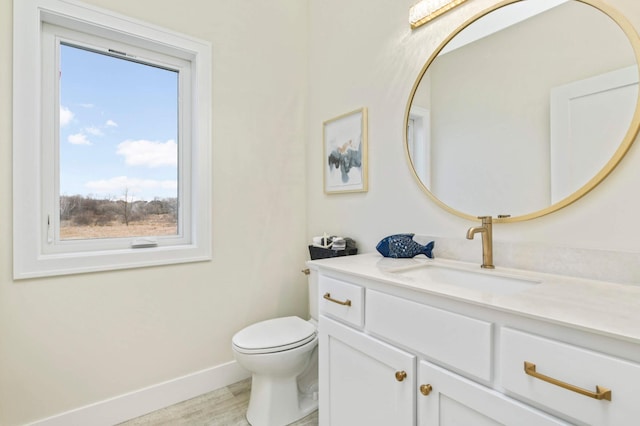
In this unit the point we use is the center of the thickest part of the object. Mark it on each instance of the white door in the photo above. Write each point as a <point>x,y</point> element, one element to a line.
<point>589,118</point>
<point>363,381</point>
<point>452,400</point>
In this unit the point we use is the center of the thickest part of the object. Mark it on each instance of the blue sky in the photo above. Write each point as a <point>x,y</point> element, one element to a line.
<point>118,127</point>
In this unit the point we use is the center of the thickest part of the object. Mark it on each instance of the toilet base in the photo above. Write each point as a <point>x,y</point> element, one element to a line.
<point>276,401</point>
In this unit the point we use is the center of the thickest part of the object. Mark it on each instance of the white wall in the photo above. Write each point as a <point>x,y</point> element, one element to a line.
<point>70,341</point>
<point>363,53</point>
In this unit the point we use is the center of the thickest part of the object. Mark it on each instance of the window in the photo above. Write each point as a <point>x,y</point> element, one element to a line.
<point>111,142</point>
<point>117,145</point>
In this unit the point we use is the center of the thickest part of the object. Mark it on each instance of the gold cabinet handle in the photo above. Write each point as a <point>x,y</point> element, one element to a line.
<point>426,389</point>
<point>306,271</point>
<point>330,299</point>
<point>600,393</point>
<point>401,375</point>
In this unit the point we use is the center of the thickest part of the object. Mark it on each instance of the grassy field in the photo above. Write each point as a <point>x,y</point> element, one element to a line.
<point>116,229</point>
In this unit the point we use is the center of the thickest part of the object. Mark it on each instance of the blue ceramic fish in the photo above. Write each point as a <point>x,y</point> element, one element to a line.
<point>403,246</point>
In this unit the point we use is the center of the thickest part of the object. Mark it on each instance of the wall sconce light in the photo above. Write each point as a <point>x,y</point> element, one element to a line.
<point>427,10</point>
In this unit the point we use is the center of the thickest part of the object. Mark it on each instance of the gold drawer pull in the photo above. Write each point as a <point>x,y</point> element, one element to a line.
<point>345,303</point>
<point>426,389</point>
<point>600,393</point>
<point>306,271</point>
<point>401,375</point>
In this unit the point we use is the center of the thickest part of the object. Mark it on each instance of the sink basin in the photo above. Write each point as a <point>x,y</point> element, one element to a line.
<point>486,281</point>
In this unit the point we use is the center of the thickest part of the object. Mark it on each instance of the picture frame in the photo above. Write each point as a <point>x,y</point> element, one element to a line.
<point>344,162</point>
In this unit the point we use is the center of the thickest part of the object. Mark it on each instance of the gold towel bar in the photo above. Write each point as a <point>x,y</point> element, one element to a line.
<point>600,393</point>
<point>330,299</point>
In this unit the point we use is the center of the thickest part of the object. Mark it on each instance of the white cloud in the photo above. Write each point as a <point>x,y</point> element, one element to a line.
<point>136,188</point>
<point>111,123</point>
<point>65,116</point>
<point>79,139</point>
<point>93,131</point>
<point>149,153</point>
<point>87,105</point>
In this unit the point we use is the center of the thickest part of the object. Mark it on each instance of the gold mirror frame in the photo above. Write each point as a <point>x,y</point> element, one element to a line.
<point>620,152</point>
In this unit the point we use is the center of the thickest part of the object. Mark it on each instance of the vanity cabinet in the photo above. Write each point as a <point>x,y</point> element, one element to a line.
<point>392,355</point>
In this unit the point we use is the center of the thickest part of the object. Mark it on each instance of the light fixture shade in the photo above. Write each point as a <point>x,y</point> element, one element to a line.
<point>427,10</point>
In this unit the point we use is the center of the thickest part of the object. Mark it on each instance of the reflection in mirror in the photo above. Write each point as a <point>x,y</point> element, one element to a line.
<point>516,120</point>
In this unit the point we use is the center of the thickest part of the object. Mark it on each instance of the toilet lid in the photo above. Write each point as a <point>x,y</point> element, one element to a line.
<point>274,335</point>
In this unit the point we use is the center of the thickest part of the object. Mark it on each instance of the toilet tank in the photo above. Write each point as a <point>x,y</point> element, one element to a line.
<point>312,280</point>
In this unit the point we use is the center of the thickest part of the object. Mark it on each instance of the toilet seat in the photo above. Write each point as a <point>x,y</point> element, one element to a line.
<point>274,335</point>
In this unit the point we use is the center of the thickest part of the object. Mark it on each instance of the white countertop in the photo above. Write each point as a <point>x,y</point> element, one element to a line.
<point>595,306</point>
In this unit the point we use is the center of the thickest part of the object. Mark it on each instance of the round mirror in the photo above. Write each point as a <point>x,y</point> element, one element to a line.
<point>525,108</point>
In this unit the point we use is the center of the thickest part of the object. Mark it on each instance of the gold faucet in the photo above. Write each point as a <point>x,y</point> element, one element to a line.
<point>487,240</point>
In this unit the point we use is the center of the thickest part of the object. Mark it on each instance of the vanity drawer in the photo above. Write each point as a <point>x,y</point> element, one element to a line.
<point>341,300</point>
<point>572,367</point>
<point>449,338</point>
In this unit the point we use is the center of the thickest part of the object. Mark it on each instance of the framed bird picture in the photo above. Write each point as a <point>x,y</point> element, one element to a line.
<point>345,153</point>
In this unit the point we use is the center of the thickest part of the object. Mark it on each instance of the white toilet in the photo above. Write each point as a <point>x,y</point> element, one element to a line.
<point>282,355</point>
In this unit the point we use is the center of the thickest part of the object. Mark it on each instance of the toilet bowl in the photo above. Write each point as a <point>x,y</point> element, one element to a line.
<point>281,354</point>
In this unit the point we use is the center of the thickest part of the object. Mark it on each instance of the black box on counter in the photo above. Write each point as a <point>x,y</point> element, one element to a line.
<point>325,253</point>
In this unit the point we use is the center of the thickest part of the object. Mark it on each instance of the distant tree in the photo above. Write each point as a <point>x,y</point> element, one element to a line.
<point>107,213</point>
<point>126,206</point>
<point>84,218</point>
<point>69,205</point>
<point>171,207</point>
<point>79,210</point>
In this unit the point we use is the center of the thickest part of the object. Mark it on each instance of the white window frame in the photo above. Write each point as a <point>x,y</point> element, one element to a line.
<point>39,25</point>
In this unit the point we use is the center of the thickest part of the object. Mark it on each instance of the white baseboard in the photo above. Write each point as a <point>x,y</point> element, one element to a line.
<point>134,404</point>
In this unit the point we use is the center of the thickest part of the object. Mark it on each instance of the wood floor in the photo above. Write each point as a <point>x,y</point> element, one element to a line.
<point>222,407</point>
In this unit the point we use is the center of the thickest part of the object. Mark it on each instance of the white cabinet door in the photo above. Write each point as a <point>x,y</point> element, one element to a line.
<point>363,381</point>
<point>454,400</point>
